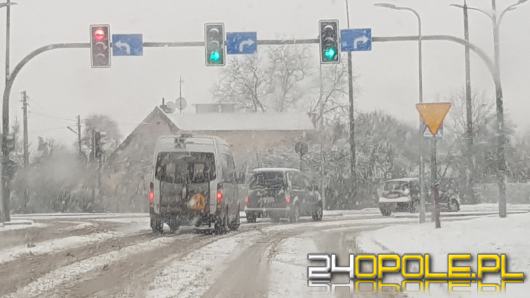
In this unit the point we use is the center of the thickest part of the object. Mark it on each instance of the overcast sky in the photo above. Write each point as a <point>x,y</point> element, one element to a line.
<point>61,83</point>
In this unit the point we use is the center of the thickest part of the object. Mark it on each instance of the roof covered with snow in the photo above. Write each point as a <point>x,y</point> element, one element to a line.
<point>268,121</point>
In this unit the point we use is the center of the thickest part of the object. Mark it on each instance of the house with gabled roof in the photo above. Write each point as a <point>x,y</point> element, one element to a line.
<point>250,135</point>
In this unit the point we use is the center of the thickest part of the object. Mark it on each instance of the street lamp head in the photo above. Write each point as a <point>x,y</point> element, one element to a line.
<point>457,5</point>
<point>387,5</point>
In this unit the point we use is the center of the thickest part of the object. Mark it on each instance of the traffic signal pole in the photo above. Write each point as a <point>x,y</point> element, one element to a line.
<point>5,215</point>
<point>6,177</point>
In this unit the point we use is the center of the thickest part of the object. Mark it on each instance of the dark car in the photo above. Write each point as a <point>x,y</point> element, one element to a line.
<point>281,193</point>
<point>404,195</point>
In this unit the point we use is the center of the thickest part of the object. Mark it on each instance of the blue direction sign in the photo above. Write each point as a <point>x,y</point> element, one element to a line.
<point>353,40</point>
<point>127,45</point>
<point>241,43</point>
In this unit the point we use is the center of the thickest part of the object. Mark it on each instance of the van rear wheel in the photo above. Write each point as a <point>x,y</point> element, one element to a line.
<point>236,222</point>
<point>221,224</point>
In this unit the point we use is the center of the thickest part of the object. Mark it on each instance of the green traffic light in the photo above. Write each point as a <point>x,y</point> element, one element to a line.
<point>330,53</point>
<point>215,57</point>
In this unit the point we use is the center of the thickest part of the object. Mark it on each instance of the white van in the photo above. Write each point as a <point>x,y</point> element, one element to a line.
<point>194,182</point>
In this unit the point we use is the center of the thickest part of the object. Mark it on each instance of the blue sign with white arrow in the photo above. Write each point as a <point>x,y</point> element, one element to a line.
<point>127,45</point>
<point>241,43</point>
<point>353,40</point>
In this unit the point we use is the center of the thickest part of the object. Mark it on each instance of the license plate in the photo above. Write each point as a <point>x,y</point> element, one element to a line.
<point>266,200</point>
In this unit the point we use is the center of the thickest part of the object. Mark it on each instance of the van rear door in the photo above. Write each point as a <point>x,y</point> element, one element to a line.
<point>182,175</point>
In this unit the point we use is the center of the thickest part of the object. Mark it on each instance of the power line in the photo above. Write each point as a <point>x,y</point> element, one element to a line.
<point>53,116</point>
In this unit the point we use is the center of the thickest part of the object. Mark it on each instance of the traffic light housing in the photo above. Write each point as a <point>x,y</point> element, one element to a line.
<point>329,41</point>
<point>100,45</point>
<point>97,144</point>
<point>214,44</point>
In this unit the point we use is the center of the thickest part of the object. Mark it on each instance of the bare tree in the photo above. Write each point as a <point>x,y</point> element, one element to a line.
<point>289,66</point>
<point>483,110</point>
<point>102,123</point>
<point>273,81</point>
<point>332,89</point>
<point>243,81</point>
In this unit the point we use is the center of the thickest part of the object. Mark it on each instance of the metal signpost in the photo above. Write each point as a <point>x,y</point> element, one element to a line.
<point>432,115</point>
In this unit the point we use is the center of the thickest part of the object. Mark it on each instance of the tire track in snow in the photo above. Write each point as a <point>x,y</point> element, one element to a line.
<point>191,276</point>
<point>54,279</point>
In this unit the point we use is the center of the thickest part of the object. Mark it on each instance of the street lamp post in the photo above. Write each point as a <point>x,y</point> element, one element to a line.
<point>5,216</point>
<point>470,173</point>
<point>420,91</point>
<point>496,20</point>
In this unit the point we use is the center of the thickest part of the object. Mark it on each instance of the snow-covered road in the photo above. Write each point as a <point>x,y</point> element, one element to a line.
<point>116,255</point>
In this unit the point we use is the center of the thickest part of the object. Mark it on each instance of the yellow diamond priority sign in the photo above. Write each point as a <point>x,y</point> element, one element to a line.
<point>433,114</point>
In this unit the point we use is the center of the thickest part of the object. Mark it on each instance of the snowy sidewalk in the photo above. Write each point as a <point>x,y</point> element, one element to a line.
<point>483,235</point>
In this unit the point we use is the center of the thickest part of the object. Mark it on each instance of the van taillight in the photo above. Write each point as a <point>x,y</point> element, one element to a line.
<point>288,199</point>
<point>247,199</point>
<point>219,197</point>
<point>151,195</point>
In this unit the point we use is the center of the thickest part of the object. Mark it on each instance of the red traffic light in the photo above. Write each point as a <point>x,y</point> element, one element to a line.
<point>99,34</point>
<point>100,45</point>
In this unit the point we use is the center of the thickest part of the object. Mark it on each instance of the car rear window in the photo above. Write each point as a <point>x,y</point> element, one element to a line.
<point>185,167</point>
<point>267,179</point>
<point>396,185</point>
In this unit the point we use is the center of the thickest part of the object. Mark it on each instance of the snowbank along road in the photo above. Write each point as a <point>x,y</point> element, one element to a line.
<point>117,255</point>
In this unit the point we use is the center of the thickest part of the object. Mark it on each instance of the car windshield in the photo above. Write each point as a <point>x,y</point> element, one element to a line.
<point>185,167</point>
<point>267,179</point>
<point>396,186</point>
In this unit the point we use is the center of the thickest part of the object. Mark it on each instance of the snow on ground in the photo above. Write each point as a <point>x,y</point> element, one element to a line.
<point>20,225</point>
<point>65,216</point>
<point>76,270</point>
<point>482,235</point>
<point>288,269</point>
<point>361,220</point>
<point>49,246</point>
<point>192,275</point>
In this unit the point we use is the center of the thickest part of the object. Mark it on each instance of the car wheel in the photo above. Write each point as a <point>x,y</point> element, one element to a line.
<point>413,207</point>
<point>454,206</point>
<point>317,214</point>
<point>156,225</point>
<point>251,218</point>
<point>386,212</point>
<point>295,214</point>
<point>173,225</point>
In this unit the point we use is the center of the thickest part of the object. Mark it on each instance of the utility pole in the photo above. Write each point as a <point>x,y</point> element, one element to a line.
<point>79,135</point>
<point>351,108</point>
<point>26,145</point>
<point>470,172</point>
<point>92,160</point>
<point>25,123</point>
